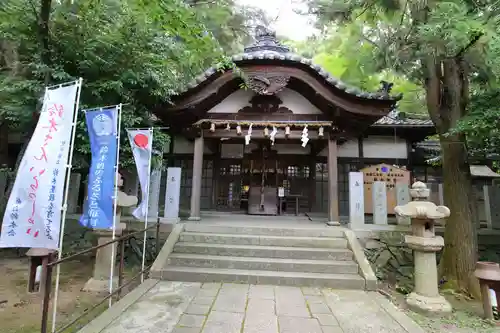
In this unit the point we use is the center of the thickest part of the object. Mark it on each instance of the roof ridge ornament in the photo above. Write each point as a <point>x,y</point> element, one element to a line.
<point>265,40</point>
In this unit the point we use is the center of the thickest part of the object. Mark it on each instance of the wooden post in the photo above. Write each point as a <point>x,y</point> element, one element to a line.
<point>333,195</point>
<point>196,182</point>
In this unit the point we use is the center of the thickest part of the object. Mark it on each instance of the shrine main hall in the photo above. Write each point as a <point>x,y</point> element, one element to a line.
<point>280,135</point>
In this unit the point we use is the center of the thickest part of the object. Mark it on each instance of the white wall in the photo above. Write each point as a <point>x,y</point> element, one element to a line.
<point>373,147</point>
<point>347,149</point>
<point>292,149</point>
<point>385,147</point>
<point>184,146</point>
<point>291,99</point>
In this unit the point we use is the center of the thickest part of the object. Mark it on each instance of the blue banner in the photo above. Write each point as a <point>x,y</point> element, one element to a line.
<point>102,128</point>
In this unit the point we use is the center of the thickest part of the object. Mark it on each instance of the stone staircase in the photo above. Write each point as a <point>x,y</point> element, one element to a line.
<point>296,256</point>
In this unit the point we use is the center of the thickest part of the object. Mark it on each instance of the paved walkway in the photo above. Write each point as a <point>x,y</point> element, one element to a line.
<point>180,307</point>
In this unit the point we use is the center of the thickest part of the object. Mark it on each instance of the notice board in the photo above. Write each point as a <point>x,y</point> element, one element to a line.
<point>383,173</point>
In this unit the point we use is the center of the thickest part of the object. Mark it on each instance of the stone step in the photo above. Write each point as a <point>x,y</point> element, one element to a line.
<point>263,264</point>
<point>264,251</point>
<point>197,274</point>
<point>319,231</point>
<point>243,239</point>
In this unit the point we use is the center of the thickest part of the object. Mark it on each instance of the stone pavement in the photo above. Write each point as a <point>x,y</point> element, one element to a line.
<point>180,307</point>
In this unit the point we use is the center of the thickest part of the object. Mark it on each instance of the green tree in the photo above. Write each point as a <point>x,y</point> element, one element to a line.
<point>340,51</point>
<point>231,24</point>
<point>137,52</point>
<point>439,45</point>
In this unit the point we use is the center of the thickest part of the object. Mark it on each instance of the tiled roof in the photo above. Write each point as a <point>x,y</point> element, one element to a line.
<point>403,122</point>
<point>267,47</point>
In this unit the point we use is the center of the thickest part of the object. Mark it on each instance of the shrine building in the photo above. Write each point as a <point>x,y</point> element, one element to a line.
<point>281,135</point>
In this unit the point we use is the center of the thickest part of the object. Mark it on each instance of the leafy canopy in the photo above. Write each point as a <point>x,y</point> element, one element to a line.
<point>137,52</point>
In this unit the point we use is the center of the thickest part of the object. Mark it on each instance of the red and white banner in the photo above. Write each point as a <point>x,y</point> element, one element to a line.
<point>141,142</point>
<point>33,214</point>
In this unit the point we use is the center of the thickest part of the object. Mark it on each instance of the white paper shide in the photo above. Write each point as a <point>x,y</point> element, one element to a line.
<point>33,214</point>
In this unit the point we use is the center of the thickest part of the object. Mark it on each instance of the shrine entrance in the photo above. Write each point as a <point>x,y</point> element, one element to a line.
<point>264,182</point>
<point>289,102</point>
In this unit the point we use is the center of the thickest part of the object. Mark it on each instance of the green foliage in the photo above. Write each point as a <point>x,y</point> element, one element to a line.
<point>342,52</point>
<point>137,52</point>
<point>380,39</point>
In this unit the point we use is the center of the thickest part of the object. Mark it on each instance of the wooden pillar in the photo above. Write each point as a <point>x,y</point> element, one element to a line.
<point>333,194</point>
<point>216,174</point>
<point>170,160</point>
<point>312,177</point>
<point>196,181</point>
<point>361,153</point>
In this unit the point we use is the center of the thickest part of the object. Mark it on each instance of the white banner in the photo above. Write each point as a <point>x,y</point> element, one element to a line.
<point>33,214</point>
<point>141,142</point>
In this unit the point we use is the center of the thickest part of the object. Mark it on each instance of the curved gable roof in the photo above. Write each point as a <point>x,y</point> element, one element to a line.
<point>268,49</point>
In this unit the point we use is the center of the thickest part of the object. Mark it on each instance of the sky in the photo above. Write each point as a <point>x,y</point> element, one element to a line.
<point>287,23</point>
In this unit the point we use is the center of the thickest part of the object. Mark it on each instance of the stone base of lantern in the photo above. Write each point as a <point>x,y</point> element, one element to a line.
<point>99,282</point>
<point>170,220</point>
<point>433,306</point>
<point>100,286</point>
<point>333,223</point>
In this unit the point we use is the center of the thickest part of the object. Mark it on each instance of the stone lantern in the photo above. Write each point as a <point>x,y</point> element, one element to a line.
<point>99,282</point>
<point>424,243</point>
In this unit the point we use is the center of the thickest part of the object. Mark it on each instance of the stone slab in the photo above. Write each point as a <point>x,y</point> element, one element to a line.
<point>180,307</point>
<point>379,200</point>
<point>356,199</point>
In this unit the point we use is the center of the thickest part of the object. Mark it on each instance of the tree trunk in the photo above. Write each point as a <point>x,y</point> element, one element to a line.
<point>4,144</point>
<point>447,97</point>
<point>43,33</point>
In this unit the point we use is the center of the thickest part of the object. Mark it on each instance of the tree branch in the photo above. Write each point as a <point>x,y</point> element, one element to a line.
<point>471,43</point>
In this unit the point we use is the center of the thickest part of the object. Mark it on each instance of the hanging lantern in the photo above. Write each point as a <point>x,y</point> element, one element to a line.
<point>321,132</point>
<point>238,130</point>
<point>266,132</point>
<point>287,131</point>
<point>228,127</point>
<point>212,127</point>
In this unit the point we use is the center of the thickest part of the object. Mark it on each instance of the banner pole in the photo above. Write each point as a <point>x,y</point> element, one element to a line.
<point>115,201</point>
<point>65,201</point>
<point>147,205</point>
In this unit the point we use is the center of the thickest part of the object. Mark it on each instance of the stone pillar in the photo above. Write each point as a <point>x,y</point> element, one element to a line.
<point>196,182</point>
<point>172,196</point>
<point>424,243</point>
<point>333,194</point>
<point>487,207</point>
<point>356,200</point>
<point>75,181</point>
<point>402,198</point>
<point>154,193</point>
<point>379,199</point>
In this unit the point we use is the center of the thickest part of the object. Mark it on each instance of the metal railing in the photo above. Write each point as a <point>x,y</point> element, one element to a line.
<point>49,265</point>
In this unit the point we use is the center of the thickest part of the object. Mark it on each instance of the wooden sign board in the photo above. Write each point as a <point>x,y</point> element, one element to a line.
<point>389,174</point>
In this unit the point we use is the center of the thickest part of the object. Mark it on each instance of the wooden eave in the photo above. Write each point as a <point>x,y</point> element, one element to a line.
<point>348,111</point>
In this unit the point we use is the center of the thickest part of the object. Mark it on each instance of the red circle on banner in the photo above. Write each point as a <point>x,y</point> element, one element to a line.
<point>141,140</point>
